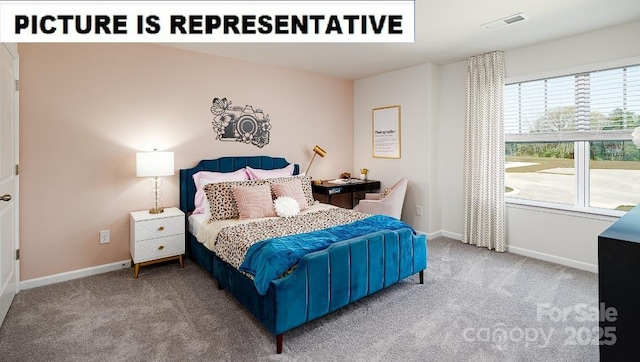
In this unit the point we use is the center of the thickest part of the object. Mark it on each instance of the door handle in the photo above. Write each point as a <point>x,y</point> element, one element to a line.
<point>6,197</point>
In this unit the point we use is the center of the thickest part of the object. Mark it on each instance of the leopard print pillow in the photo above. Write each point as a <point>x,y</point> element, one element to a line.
<point>221,199</point>
<point>306,186</point>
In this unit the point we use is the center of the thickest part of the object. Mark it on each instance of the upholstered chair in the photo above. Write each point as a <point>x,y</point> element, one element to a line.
<point>387,203</point>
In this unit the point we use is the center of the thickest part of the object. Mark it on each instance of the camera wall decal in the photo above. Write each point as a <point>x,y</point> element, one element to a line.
<point>240,124</point>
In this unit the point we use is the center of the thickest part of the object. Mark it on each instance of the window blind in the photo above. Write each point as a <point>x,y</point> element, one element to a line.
<point>599,105</point>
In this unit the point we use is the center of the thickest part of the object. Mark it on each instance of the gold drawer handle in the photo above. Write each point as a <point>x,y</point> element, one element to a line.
<point>161,247</point>
<point>161,228</point>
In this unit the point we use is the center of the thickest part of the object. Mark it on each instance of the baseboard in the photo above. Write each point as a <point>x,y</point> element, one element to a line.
<point>533,254</point>
<point>553,259</point>
<point>439,233</point>
<point>74,274</point>
<point>429,235</point>
<point>444,233</point>
<point>451,235</point>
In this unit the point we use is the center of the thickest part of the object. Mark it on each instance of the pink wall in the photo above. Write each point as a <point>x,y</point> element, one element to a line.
<point>86,109</point>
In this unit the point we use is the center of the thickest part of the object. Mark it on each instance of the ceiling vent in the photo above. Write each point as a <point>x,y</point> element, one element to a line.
<point>505,21</point>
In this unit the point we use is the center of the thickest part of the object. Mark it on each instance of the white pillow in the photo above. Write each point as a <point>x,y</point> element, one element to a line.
<point>286,206</point>
<point>207,209</point>
<point>258,174</point>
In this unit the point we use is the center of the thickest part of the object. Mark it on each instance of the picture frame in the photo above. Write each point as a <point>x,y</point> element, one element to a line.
<point>386,132</point>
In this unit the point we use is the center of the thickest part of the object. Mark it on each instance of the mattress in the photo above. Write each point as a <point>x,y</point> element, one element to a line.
<point>195,222</point>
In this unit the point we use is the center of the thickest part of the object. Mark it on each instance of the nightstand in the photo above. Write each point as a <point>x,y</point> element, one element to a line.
<point>156,237</point>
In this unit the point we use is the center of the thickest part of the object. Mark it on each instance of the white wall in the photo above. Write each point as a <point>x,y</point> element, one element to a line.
<point>415,89</point>
<point>561,237</point>
<point>556,236</point>
<point>450,162</point>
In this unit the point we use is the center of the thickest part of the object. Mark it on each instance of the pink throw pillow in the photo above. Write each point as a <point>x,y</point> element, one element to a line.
<point>200,178</point>
<point>258,174</point>
<point>306,185</point>
<point>292,189</point>
<point>254,201</point>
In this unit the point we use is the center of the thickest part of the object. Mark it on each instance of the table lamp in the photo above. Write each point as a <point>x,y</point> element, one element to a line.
<point>155,164</point>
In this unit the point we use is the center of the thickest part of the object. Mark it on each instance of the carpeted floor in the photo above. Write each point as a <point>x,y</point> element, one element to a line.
<point>476,305</point>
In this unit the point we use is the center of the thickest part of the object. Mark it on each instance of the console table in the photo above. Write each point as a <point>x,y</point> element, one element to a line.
<point>354,185</point>
<point>619,289</point>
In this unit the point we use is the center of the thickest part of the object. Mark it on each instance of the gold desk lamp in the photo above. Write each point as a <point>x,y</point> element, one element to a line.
<point>317,150</point>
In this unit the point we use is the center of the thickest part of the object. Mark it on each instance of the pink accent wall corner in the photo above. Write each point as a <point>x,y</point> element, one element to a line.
<point>86,109</point>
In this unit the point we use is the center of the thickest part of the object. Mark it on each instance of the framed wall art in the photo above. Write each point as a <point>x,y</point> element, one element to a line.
<point>386,132</point>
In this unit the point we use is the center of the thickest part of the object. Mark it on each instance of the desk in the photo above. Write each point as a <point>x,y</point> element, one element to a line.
<point>330,189</point>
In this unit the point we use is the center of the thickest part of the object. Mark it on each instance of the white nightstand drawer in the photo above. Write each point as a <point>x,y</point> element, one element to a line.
<point>156,237</point>
<point>152,249</point>
<point>156,228</point>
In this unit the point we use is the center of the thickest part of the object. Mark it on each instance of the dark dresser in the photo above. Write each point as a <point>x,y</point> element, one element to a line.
<point>619,289</point>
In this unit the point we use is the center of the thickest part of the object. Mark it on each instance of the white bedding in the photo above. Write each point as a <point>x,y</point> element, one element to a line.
<point>207,231</point>
<point>231,239</point>
<point>196,221</point>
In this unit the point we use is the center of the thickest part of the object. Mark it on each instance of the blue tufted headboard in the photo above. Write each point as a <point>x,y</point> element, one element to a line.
<point>224,164</point>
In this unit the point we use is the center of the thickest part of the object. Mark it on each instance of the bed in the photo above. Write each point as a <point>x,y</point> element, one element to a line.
<point>322,281</point>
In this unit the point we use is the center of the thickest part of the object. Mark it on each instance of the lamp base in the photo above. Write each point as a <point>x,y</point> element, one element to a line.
<point>156,210</point>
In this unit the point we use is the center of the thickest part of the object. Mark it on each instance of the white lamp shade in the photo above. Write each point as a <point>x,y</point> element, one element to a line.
<point>151,164</point>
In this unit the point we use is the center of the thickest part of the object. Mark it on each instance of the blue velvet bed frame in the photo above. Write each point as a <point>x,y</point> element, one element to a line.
<point>323,281</point>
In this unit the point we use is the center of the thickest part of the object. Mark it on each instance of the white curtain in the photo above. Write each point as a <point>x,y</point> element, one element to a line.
<point>484,223</point>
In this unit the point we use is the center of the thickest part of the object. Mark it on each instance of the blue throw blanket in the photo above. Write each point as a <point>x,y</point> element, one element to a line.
<point>270,258</point>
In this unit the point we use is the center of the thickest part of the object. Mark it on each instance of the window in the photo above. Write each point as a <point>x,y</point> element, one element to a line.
<point>568,139</point>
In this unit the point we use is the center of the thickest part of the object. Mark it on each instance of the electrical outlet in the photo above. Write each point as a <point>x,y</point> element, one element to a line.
<point>105,236</point>
<point>418,210</point>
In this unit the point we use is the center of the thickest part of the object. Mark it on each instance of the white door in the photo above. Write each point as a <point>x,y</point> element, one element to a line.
<point>8,181</point>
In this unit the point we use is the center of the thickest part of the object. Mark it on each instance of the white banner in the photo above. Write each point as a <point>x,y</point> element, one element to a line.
<point>208,21</point>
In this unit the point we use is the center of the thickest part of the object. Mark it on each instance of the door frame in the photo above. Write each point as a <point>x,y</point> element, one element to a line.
<point>12,50</point>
